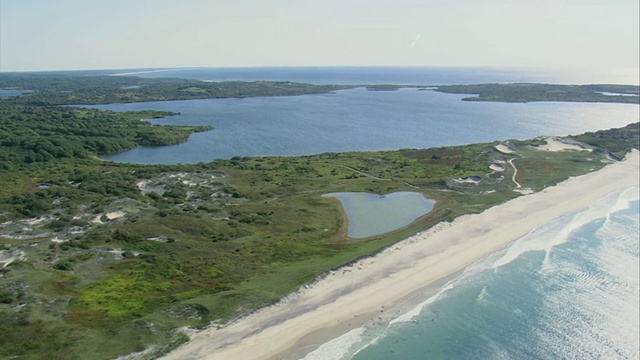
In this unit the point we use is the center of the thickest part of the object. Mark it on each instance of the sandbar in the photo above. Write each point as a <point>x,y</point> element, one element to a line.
<point>363,288</point>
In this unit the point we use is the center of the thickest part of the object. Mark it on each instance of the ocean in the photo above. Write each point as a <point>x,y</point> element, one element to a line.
<point>350,75</point>
<point>567,290</point>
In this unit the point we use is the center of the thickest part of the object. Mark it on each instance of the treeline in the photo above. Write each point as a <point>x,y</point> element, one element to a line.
<point>31,134</point>
<point>59,89</point>
<point>546,92</point>
<point>34,128</point>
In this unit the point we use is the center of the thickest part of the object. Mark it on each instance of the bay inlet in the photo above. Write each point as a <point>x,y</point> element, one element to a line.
<point>358,120</point>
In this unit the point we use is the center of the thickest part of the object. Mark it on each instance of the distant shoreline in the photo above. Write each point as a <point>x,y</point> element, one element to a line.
<point>372,284</point>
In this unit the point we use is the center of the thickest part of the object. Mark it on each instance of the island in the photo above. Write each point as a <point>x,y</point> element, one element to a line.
<point>101,259</point>
<point>628,94</point>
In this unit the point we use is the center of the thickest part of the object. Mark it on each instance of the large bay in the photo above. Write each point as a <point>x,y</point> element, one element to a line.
<point>360,120</point>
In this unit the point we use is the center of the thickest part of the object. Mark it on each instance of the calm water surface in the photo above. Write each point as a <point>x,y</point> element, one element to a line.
<point>11,93</point>
<point>360,120</point>
<point>373,214</point>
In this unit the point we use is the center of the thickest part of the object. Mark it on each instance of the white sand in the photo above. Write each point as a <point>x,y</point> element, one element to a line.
<point>97,220</point>
<point>115,215</point>
<point>504,149</point>
<point>397,272</point>
<point>466,181</point>
<point>9,256</point>
<point>555,144</point>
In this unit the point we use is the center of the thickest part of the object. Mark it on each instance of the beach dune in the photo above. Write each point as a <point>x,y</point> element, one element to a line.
<point>345,298</point>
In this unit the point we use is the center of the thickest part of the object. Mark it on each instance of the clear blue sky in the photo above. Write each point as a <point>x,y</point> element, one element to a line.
<point>113,34</point>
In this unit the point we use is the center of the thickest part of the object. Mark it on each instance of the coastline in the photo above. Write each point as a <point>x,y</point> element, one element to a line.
<point>353,294</point>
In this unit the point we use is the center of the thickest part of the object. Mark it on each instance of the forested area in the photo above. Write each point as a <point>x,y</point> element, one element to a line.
<point>57,89</point>
<point>627,94</point>
<point>42,133</point>
<point>616,141</point>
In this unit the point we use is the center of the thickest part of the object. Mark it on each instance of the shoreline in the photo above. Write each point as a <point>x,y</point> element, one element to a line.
<point>348,296</point>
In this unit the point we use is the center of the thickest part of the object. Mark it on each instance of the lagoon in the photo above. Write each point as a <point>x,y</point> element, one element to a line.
<point>359,120</point>
<point>372,214</point>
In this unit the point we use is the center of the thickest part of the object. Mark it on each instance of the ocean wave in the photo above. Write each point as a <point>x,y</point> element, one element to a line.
<point>549,236</point>
<point>483,297</point>
<point>582,306</point>
<point>598,293</point>
<point>579,303</point>
<point>626,198</point>
<point>337,348</point>
<point>141,72</point>
<point>413,313</point>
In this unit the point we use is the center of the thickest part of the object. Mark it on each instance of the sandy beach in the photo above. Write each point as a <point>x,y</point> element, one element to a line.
<point>345,298</point>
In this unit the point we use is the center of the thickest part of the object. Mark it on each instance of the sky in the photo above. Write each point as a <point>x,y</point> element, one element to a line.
<point>123,34</point>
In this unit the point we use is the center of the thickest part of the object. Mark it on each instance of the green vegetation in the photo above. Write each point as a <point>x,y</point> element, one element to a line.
<point>100,259</point>
<point>61,89</point>
<point>43,133</point>
<point>384,87</point>
<point>616,141</point>
<point>65,89</point>
<point>627,94</point>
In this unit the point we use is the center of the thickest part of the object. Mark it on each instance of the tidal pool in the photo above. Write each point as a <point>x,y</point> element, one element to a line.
<point>372,214</point>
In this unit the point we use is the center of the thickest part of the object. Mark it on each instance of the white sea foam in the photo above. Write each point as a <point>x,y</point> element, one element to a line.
<point>601,299</point>
<point>413,313</point>
<point>624,200</point>
<point>484,295</point>
<point>583,306</point>
<point>337,348</point>
<point>373,334</point>
<point>549,236</point>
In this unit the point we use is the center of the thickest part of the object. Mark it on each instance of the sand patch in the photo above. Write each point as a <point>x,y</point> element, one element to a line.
<point>475,180</point>
<point>39,220</point>
<point>162,239</point>
<point>117,253</point>
<point>97,220</point>
<point>554,144</point>
<point>9,256</point>
<point>504,149</point>
<point>524,191</point>
<point>115,215</point>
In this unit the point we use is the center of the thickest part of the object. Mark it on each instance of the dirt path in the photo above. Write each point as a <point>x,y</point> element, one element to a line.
<point>515,173</point>
<point>364,173</point>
